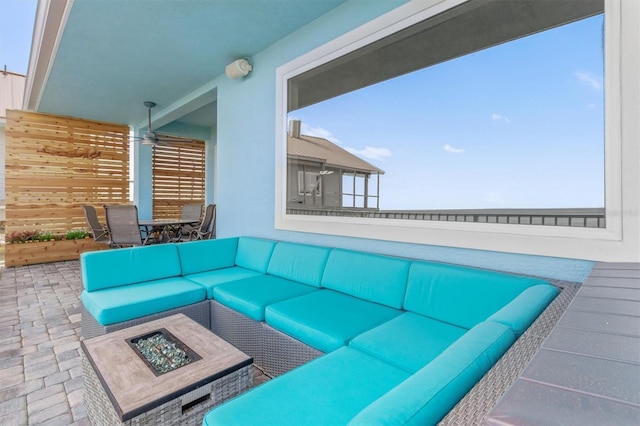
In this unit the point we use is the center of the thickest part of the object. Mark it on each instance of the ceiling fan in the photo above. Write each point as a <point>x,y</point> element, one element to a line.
<point>152,138</point>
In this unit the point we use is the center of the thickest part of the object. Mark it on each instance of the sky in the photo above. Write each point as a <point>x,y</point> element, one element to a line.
<point>16,31</point>
<point>520,125</point>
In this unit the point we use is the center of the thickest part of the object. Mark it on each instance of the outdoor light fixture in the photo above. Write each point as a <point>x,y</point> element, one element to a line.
<point>238,68</point>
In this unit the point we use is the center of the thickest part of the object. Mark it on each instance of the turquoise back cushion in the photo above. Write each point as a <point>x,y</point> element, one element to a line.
<point>114,268</point>
<point>460,295</point>
<point>254,253</point>
<point>298,262</point>
<point>371,277</point>
<point>207,255</point>
<point>525,308</point>
<point>429,394</point>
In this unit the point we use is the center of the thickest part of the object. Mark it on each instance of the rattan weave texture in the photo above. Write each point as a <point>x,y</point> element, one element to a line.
<point>474,407</point>
<point>199,312</point>
<point>101,410</point>
<point>283,353</point>
<point>237,329</point>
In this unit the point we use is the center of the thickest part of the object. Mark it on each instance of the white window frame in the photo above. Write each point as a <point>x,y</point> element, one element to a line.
<point>619,241</point>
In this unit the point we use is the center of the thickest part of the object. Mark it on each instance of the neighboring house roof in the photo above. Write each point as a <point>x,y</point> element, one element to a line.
<point>11,91</point>
<point>319,149</point>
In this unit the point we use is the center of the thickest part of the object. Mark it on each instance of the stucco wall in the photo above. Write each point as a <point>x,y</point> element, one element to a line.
<point>246,158</point>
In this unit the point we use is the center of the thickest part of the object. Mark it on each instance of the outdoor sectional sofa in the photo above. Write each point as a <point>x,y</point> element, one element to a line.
<point>377,339</point>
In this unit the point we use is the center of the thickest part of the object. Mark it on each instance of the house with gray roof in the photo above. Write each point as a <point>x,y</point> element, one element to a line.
<point>323,175</point>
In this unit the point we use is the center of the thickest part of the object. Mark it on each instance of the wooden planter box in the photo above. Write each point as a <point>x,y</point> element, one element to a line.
<point>19,254</point>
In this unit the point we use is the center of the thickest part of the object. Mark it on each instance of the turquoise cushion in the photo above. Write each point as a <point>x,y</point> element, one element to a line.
<point>207,255</point>
<point>329,390</point>
<point>326,319</point>
<point>460,295</point>
<point>408,341</point>
<point>378,279</point>
<point>429,394</point>
<point>210,279</point>
<point>113,305</point>
<point>254,253</point>
<point>524,309</point>
<point>250,296</point>
<point>112,268</point>
<point>299,262</point>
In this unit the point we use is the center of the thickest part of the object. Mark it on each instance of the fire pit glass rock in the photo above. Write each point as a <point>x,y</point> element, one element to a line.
<point>163,352</point>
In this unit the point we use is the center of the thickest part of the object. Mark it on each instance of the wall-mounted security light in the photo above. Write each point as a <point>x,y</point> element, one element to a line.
<point>238,68</point>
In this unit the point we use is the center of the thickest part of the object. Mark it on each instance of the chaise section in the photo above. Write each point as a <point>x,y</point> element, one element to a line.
<point>409,341</point>
<point>429,394</point>
<point>328,390</point>
<point>326,319</point>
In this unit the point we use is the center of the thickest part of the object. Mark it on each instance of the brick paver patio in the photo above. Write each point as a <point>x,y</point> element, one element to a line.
<point>40,365</point>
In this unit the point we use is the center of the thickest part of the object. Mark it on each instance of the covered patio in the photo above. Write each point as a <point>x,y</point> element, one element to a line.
<point>42,373</point>
<point>100,61</point>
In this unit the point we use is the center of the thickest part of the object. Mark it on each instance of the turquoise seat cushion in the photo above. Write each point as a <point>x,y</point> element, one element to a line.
<point>299,262</point>
<point>117,304</point>
<point>254,253</point>
<point>210,279</point>
<point>524,309</point>
<point>207,255</point>
<point>371,277</point>
<point>460,295</point>
<point>329,390</point>
<point>326,319</point>
<point>429,394</point>
<point>112,268</point>
<point>408,341</point>
<point>251,296</point>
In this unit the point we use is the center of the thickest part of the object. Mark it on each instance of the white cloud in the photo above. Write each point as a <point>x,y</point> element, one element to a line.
<point>500,117</point>
<point>452,149</point>
<point>319,132</point>
<point>588,79</point>
<point>371,153</point>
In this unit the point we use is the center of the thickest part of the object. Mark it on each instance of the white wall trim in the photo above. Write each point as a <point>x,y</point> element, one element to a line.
<point>620,241</point>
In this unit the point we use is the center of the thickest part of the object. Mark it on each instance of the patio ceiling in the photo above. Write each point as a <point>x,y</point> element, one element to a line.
<point>101,59</point>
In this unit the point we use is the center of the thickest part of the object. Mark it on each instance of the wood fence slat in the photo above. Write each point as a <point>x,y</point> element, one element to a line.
<point>54,165</point>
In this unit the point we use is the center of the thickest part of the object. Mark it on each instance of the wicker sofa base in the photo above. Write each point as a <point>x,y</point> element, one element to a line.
<point>183,410</point>
<point>282,353</point>
<point>237,329</point>
<point>199,312</point>
<point>474,407</point>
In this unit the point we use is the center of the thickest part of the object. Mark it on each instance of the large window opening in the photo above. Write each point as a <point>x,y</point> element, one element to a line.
<point>488,112</point>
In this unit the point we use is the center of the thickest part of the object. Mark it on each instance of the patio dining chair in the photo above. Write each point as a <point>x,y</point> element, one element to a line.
<point>207,228</point>
<point>99,231</point>
<point>190,212</point>
<point>124,229</point>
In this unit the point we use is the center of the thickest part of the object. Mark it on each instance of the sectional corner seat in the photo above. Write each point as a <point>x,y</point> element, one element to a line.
<point>354,338</point>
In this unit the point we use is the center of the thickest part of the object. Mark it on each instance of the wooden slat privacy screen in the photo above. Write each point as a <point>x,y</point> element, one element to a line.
<point>56,164</point>
<point>178,177</point>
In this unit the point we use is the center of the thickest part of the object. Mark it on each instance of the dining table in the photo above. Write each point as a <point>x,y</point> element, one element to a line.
<point>159,230</point>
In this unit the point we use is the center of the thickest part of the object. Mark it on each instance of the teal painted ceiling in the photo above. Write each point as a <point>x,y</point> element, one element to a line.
<point>113,55</point>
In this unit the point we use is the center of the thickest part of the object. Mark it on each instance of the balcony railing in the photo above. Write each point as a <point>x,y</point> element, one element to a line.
<point>578,217</point>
